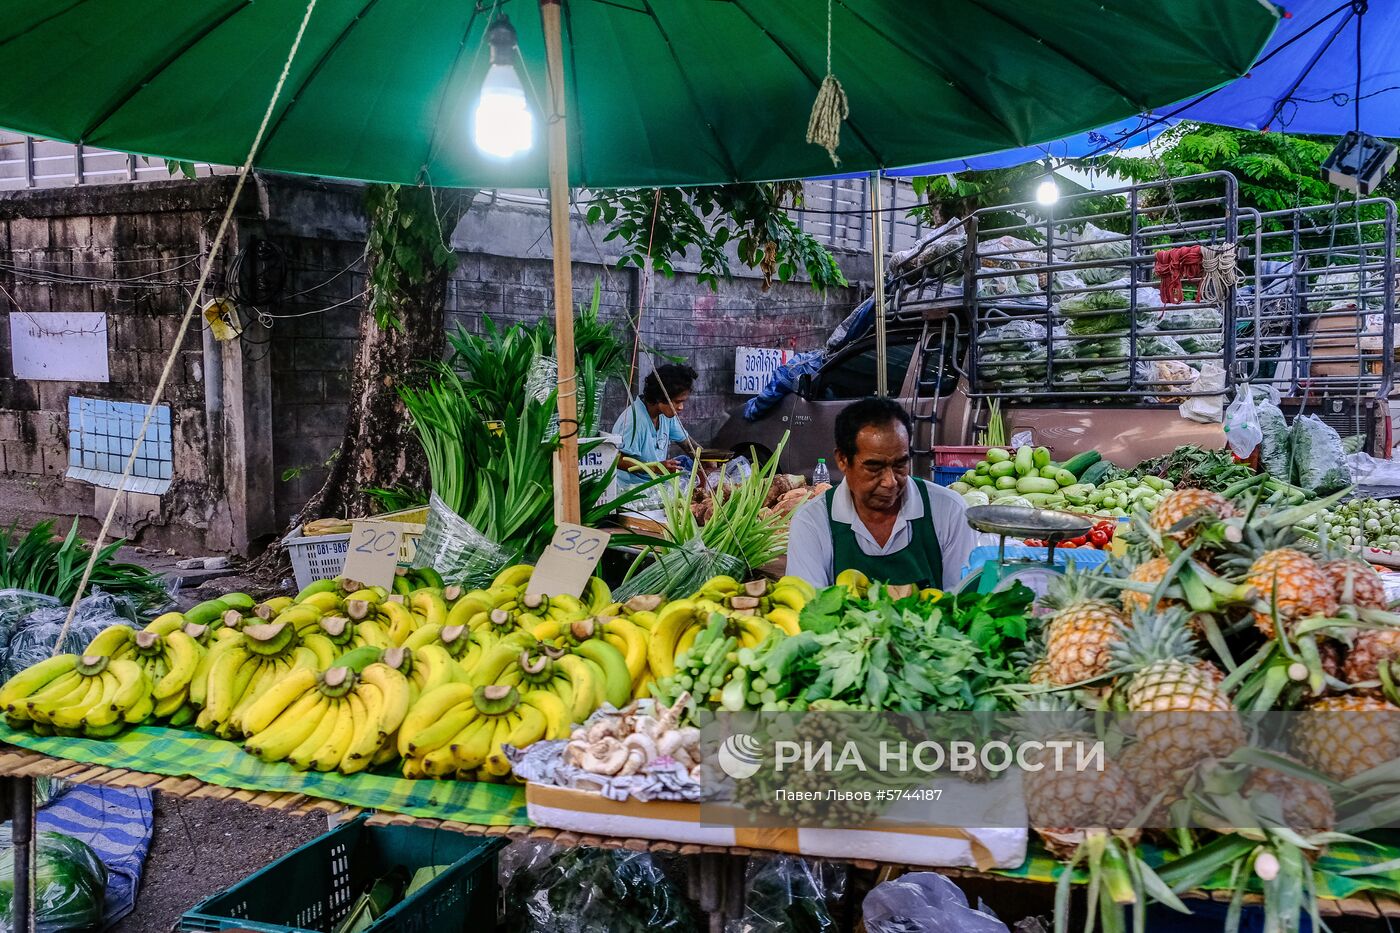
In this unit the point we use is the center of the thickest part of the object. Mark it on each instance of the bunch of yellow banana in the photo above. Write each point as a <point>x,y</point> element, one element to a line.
<point>337,720</point>
<point>240,670</point>
<point>93,695</point>
<point>455,641</point>
<point>170,661</point>
<point>619,659</point>
<point>461,730</point>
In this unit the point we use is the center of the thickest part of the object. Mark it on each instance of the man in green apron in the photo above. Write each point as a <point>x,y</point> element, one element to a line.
<point>880,520</point>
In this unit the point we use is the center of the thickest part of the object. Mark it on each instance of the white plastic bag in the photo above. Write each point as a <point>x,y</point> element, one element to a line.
<point>1367,470</point>
<point>1242,429</point>
<point>927,902</point>
<point>1208,402</point>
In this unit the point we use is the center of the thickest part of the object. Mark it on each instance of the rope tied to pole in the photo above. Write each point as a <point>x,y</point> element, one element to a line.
<point>1219,273</point>
<point>830,108</point>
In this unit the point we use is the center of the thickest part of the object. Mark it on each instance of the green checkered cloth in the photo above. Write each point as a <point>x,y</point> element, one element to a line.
<point>1040,865</point>
<point>181,753</point>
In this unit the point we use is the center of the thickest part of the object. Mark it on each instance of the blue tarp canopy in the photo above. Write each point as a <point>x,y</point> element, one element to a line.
<point>1305,82</point>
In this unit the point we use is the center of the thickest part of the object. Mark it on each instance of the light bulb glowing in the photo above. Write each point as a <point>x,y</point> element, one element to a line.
<point>1047,192</point>
<point>503,125</point>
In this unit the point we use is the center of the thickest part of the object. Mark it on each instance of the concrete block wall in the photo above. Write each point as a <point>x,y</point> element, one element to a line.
<point>87,241</point>
<point>132,253</point>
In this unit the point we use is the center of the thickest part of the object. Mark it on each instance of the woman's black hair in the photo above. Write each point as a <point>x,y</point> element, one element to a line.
<point>667,381</point>
<point>865,413</point>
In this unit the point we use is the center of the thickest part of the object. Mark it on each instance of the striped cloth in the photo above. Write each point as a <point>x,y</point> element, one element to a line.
<point>181,753</point>
<point>117,824</point>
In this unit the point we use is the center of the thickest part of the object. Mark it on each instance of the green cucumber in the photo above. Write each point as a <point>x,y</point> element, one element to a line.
<point>960,487</point>
<point>1041,456</point>
<point>998,455</point>
<point>1064,477</point>
<point>1094,472</point>
<point>1007,482</point>
<point>1081,462</point>
<point>1005,468</point>
<point>982,482</point>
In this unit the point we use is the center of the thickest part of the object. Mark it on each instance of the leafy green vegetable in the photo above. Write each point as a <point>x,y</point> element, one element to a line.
<point>70,883</point>
<point>906,654</point>
<point>40,562</point>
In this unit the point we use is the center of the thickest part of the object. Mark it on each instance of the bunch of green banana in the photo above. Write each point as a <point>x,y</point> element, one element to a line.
<point>228,609</point>
<point>337,720</point>
<point>170,661</point>
<point>93,695</point>
<point>408,579</point>
<point>460,730</point>
<point>240,670</point>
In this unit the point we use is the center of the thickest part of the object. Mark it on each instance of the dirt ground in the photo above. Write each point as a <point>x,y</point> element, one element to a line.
<point>201,847</point>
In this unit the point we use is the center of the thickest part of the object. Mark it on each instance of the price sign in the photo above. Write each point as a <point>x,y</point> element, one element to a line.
<point>374,552</point>
<point>568,562</point>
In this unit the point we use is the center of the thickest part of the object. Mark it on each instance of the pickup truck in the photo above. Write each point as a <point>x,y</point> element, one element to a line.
<point>1311,315</point>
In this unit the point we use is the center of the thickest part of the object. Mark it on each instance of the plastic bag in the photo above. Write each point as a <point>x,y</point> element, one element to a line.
<point>70,883</point>
<point>924,902</point>
<point>1367,470</point>
<point>680,570</point>
<point>1208,403</point>
<point>1319,462</point>
<point>456,550</point>
<point>1242,430</point>
<point>32,636</point>
<point>790,894</point>
<point>587,890</point>
<point>1275,453</point>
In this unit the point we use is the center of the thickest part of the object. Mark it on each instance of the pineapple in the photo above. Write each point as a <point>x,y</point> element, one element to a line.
<point>1150,572</point>
<point>1152,781</point>
<point>1179,506</point>
<point>1306,805</point>
<point>1038,673</point>
<point>1294,584</point>
<point>1062,803</point>
<point>1356,583</point>
<point>1357,734</point>
<point>1183,716</point>
<point>1370,649</point>
<point>1084,625</point>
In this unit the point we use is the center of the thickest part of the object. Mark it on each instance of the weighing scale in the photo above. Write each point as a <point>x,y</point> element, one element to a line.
<point>1012,521</point>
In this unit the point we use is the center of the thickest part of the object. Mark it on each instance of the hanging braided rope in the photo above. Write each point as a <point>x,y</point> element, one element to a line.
<point>179,339</point>
<point>1219,273</point>
<point>830,108</point>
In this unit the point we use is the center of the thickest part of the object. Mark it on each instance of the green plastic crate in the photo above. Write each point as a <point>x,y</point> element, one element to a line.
<point>313,887</point>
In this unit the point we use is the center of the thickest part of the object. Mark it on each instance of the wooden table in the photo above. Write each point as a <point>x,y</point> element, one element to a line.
<point>718,879</point>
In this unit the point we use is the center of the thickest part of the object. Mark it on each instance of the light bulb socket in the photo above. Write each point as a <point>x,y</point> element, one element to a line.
<point>501,35</point>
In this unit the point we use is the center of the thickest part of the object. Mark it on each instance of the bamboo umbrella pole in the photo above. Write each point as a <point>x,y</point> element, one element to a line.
<point>566,497</point>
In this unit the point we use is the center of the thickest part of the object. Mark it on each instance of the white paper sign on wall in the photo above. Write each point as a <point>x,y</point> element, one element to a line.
<point>60,346</point>
<point>754,366</point>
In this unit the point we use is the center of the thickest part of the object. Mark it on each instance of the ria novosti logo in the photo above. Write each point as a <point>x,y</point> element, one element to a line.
<point>740,756</point>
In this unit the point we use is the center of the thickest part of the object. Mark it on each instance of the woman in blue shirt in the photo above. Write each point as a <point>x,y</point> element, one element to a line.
<point>651,424</point>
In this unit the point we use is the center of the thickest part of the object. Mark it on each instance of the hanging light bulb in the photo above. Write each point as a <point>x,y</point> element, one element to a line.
<point>503,125</point>
<point>1047,192</point>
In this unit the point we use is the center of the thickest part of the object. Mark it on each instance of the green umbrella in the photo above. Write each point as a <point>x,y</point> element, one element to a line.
<point>654,92</point>
<point>659,92</point>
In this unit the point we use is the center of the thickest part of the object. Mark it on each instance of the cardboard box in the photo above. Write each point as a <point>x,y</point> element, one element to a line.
<point>934,846</point>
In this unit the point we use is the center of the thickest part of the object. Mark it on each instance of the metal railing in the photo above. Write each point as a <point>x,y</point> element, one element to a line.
<point>31,162</point>
<point>1065,301</point>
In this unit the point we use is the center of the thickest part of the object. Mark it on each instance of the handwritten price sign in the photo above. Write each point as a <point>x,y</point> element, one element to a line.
<point>374,553</point>
<point>568,562</point>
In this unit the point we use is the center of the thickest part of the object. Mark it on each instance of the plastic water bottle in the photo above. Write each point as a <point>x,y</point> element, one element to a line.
<point>820,474</point>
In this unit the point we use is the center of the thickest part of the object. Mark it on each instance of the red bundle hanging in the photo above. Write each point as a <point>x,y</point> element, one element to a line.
<point>1174,267</point>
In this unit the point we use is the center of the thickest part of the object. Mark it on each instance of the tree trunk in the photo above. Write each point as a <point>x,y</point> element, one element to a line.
<point>400,325</point>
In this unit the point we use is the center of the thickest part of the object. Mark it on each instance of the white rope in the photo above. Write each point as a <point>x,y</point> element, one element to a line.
<point>830,108</point>
<point>179,339</point>
<point>1219,273</point>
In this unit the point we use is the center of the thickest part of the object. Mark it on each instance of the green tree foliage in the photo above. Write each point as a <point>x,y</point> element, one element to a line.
<point>664,224</point>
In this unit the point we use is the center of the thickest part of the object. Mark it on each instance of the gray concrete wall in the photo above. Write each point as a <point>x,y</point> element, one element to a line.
<point>260,453</point>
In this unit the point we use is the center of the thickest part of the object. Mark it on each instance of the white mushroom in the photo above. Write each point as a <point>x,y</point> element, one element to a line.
<point>670,743</point>
<point>643,743</point>
<point>603,728</point>
<point>574,752</point>
<point>604,757</point>
<point>636,758</point>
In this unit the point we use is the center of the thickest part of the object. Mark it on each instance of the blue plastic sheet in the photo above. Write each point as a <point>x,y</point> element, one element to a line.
<point>1084,558</point>
<point>783,381</point>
